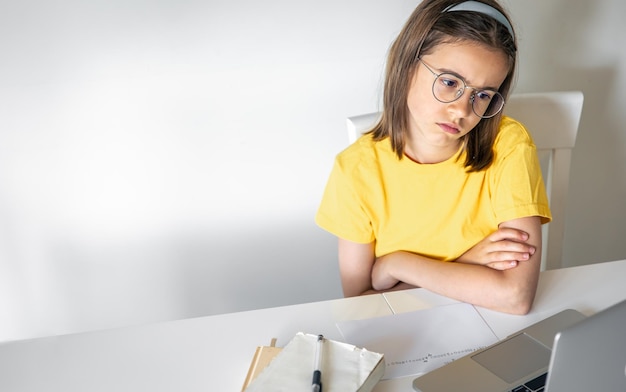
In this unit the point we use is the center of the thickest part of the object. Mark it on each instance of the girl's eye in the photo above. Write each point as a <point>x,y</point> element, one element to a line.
<point>485,95</point>
<point>449,82</point>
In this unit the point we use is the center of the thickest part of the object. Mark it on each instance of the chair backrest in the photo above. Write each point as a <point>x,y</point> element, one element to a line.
<point>552,118</point>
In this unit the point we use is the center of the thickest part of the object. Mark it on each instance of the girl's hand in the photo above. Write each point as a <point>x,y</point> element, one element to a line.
<point>501,250</point>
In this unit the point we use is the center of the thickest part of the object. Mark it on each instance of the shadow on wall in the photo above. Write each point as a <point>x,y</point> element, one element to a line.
<point>597,171</point>
<point>81,287</point>
<point>260,267</point>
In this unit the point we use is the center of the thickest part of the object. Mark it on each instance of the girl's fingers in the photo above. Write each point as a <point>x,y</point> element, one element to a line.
<point>507,233</point>
<point>503,265</point>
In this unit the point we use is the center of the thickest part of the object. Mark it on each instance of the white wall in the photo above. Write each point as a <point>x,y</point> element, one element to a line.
<point>577,45</point>
<point>161,160</point>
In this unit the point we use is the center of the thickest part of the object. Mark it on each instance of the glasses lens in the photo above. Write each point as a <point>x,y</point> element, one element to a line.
<point>448,88</point>
<point>487,103</point>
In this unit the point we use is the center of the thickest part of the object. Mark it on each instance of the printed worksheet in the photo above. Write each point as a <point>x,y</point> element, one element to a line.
<point>417,342</point>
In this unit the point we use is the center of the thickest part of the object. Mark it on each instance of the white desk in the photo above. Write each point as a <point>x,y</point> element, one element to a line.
<point>203,354</point>
<point>213,353</point>
<point>588,289</point>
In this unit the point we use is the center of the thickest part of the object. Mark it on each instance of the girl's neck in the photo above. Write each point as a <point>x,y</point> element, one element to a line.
<point>428,154</point>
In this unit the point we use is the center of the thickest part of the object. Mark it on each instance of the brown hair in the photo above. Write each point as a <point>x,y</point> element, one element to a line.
<point>426,28</point>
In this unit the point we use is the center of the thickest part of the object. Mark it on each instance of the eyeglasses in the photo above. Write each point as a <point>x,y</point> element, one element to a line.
<point>448,87</point>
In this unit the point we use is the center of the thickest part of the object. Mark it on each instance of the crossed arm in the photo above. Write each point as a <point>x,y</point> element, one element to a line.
<point>500,272</point>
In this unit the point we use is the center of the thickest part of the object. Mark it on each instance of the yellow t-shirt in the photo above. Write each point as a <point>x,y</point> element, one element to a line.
<point>436,210</point>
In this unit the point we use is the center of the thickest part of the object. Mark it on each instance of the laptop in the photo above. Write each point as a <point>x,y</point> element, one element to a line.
<point>563,353</point>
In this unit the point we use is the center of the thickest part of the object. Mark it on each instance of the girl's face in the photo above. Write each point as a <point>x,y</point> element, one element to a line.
<point>436,127</point>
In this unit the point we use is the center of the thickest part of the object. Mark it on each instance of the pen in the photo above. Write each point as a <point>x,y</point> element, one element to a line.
<point>317,372</point>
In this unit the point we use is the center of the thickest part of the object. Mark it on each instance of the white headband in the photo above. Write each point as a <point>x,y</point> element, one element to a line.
<point>482,8</point>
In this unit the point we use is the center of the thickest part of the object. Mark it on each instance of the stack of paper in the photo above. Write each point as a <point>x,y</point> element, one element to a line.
<point>262,357</point>
<point>344,367</point>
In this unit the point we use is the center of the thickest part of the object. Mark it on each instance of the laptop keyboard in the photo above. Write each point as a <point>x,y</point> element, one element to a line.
<point>537,384</point>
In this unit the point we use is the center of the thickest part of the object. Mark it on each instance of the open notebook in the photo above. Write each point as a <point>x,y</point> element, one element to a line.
<point>344,367</point>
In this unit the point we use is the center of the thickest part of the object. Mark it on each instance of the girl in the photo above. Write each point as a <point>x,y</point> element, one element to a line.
<point>444,192</point>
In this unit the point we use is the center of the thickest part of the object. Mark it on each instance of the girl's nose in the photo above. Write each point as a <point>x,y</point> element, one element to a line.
<point>463,105</point>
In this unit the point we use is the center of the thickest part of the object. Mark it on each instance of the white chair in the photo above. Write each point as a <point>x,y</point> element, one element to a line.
<point>552,118</point>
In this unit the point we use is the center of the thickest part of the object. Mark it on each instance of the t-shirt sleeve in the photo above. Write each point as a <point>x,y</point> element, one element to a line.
<point>341,211</point>
<point>517,185</point>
